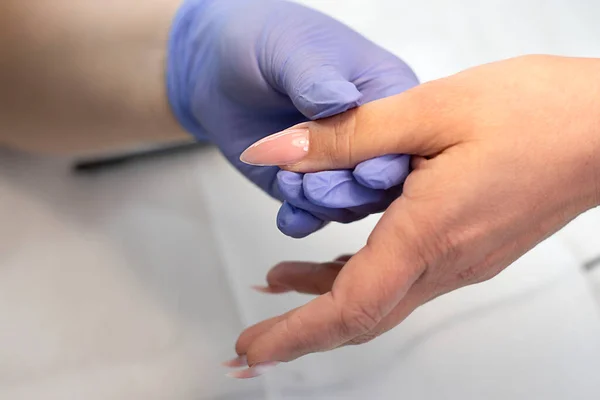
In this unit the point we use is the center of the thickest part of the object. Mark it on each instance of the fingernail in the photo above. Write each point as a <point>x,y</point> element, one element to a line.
<point>254,371</point>
<point>271,289</point>
<point>284,148</point>
<point>238,362</point>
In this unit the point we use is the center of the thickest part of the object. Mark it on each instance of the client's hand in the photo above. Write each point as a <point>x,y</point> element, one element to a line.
<point>506,154</point>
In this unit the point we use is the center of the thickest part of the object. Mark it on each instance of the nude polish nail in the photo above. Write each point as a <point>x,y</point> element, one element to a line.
<point>284,148</point>
<point>254,371</point>
<point>271,289</point>
<point>238,362</point>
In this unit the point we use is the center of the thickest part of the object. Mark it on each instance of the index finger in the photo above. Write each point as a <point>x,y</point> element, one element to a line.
<point>367,289</point>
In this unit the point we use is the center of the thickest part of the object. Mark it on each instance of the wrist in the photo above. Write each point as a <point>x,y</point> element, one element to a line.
<point>183,57</point>
<point>193,56</point>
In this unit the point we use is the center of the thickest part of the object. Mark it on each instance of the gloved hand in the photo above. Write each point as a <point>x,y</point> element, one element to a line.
<point>342,195</point>
<point>239,70</point>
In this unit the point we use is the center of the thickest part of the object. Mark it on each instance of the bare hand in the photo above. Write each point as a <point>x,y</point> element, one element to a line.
<point>504,156</point>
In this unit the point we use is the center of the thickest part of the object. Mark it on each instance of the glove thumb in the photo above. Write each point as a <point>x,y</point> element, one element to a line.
<point>322,92</point>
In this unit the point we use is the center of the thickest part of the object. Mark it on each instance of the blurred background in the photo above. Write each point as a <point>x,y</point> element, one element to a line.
<point>133,282</point>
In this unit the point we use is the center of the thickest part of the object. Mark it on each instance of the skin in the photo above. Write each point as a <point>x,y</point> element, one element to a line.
<point>84,76</point>
<point>505,155</point>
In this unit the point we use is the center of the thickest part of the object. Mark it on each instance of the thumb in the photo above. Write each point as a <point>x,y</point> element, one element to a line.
<point>418,122</point>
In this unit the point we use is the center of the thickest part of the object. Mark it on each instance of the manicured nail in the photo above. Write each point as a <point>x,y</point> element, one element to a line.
<point>284,148</point>
<point>238,362</point>
<point>271,289</point>
<point>254,371</point>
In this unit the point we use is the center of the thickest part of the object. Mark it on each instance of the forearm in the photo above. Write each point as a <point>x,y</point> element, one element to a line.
<point>84,76</point>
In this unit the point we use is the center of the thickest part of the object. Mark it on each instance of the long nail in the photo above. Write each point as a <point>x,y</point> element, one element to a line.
<point>284,148</point>
<point>271,289</point>
<point>238,362</point>
<point>253,371</point>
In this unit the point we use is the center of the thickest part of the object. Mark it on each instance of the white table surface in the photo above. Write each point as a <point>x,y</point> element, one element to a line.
<point>134,283</point>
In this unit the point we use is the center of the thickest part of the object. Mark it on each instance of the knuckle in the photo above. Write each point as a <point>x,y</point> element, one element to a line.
<point>293,327</point>
<point>426,251</point>
<point>447,248</point>
<point>342,143</point>
<point>363,339</point>
<point>469,275</point>
<point>359,319</point>
<point>431,244</point>
<point>440,241</point>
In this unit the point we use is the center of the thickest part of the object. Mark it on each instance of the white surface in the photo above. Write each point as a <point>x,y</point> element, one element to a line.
<point>133,284</point>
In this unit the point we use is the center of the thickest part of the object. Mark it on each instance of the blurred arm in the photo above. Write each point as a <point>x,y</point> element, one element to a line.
<point>84,76</point>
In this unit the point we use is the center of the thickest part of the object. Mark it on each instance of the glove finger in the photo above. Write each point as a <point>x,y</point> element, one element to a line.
<point>392,76</point>
<point>322,99</point>
<point>383,173</point>
<point>364,211</point>
<point>338,190</point>
<point>327,90</point>
<point>291,188</point>
<point>379,207</point>
<point>297,223</point>
<point>319,89</point>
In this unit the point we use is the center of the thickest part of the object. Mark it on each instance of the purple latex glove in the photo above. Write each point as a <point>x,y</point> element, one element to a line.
<point>340,196</point>
<point>239,70</point>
